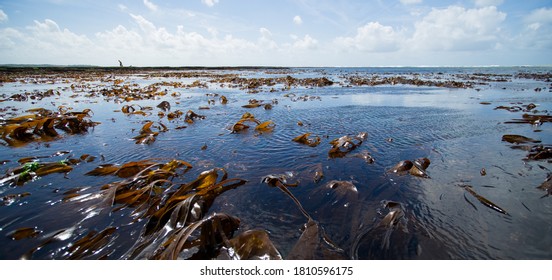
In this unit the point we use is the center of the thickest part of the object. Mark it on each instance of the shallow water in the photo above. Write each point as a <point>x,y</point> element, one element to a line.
<point>441,219</point>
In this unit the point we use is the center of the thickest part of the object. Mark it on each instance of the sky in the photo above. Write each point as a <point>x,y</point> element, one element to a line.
<point>341,33</point>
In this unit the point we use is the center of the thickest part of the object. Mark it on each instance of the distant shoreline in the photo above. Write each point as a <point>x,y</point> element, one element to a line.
<point>84,67</point>
<point>50,68</point>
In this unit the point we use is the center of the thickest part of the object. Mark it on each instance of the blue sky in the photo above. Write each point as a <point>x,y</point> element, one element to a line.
<point>276,33</point>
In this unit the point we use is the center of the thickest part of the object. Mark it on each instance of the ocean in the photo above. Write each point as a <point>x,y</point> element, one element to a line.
<point>300,163</point>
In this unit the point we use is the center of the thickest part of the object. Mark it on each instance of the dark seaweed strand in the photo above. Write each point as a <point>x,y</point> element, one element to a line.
<point>485,201</point>
<point>466,198</point>
<point>526,206</point>
<point>286,191</point>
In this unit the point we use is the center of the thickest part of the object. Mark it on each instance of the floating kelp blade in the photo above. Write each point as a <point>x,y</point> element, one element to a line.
<point>103,170</point>
<point>393,220</point>
<point>164,105</point>
<point>11,198</point>
<point>343,145</point>
<point>254,105</point>
<point>414,168</point>
<point>395,214</point>
<point>546,186</point>
<point>146,138</point>
<point>34,169</point>
<point>147,135</point>
<point>90,245</point>
<point>376,238</point>
<point>53,167</point>
<point>23,233</point>
<point>224,225</point>
<point>401,168</point>
<point>419,166</point>
<point>313,244</point>
<point>518,139</point>
<point>540,152</point>
<point>280,181</point>
<point>126,170</point>
<point>146,184</point>
<point>318,173</point>
<point>276,180</point>
<point>147,127</point>
<point>174,212</point>
<point>484,201</point>
<point>132,168</point>
<point>250,245</point>
<point>338,210</point>
<point>187,204</point>
<point>365,155</point>
<point>249,117</point>
<point>267,126</point>
<point>532,119</point>
<point>191,116</point>
<point>305,140</point>
<point>129,109</point>
<point>240,125</point>
<point>42,126</point>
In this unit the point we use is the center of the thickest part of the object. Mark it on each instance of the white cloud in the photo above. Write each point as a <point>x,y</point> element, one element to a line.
<point>209,3</point>
<point>297,20</point>
<point>266,42</point>
<point>119,38</point>
<point>150,5</point>
<point>538,30</point>
<point>213,31</point>
<point>122,7</point>
<point>44,42</point>
<point>145,25</point>
<point>3,16</point>
<point>265,32</point>
<point>534,26</point>
<point>152,45</point>
<point>456,28</point>
<point>372,37</point>
<point>9,37</point>
<point>486,3</point>
<point>540,16</point>
<point>48,32</point>
<point>437,38</point>
<point>305,43</point>
<point>408,2</point>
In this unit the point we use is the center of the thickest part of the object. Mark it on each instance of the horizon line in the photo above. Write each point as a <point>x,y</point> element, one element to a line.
<point>47,65</point>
